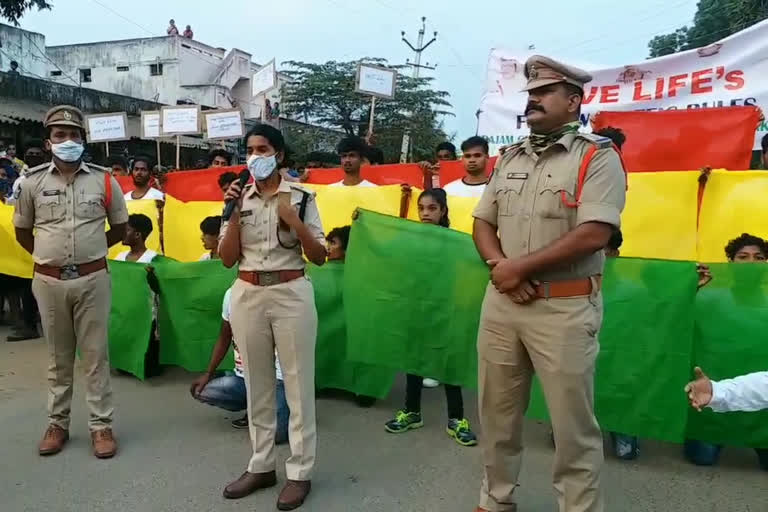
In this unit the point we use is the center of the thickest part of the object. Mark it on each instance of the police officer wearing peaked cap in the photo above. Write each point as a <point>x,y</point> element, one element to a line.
<point>542,229</point>
<point>59,218</point>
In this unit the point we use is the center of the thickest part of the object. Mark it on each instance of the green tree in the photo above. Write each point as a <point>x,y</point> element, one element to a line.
<point>13,10</point>
<point>714,20</point>
<point>324,94</point>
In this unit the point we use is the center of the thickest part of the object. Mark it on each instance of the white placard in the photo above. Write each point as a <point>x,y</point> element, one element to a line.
<point>264,79</point>
<point>224,124</point>
<point>376,80</point>
<point>106,127</point>
<point>184,119</point>
<point>150,124</point>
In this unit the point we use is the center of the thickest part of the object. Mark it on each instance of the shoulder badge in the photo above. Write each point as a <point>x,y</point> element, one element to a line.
<point>37,168</point>
<point>598,140</point>
<point>299,188</point>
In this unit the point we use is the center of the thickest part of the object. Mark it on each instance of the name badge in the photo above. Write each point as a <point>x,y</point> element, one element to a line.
<point>246,213</point>
<point>517,176</point>
<point>48,193</point>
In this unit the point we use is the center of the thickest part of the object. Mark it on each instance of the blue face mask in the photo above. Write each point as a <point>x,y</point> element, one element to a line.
<point>261,167</point>
<point>68,151</point>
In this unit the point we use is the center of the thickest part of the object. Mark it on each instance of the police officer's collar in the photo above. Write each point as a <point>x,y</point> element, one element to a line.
<point>83,167</point>
<point>283,186</point>
<point>566,141</point>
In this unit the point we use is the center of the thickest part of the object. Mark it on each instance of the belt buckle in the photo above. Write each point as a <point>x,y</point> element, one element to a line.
<point>68,272</point>
<point>269,278</point>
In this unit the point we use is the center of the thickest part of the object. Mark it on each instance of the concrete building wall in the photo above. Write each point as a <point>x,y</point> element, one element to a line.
<point>26,48</point>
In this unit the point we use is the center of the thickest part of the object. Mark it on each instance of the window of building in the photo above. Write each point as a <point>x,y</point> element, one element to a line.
<point>155,69</point>
<point>85,75</point>
<point>122,68</point>
<point>56,73</point>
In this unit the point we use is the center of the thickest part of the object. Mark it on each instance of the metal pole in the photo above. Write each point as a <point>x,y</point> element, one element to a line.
<point>420,47</point>
<point>106,145</point>
<point>158,153</point>
<point>178,152</point>
<point>370,121</point>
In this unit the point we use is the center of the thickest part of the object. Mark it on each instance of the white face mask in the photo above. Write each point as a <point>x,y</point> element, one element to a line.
<point>261,167</point>
<point>68,151</point>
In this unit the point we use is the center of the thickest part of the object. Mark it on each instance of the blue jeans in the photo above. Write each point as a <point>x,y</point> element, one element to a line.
<point>228,392</point>
<point>707,454</point>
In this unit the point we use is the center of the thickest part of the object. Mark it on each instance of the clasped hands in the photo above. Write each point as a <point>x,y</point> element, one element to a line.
<point>510,277</point>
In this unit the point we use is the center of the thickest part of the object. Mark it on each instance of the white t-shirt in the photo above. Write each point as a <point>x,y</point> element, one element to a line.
<point>147,257</point>
<point>238,359</point>
<point>205,257</point>
<point>460,189</point>
<point>364,183</point>
<point>152,193</point>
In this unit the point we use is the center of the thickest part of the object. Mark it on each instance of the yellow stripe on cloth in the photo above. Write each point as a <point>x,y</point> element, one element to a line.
<point>459,210</point>
<point>15,261</point>
<point>336,203</point>
<point>149,208</point>
<point>181,223</point>
<point>734,202</point>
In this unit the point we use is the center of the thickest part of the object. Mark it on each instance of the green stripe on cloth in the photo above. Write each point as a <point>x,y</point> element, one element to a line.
<point>332,368</point>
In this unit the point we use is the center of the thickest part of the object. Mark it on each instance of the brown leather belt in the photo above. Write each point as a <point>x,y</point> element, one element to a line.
<point>68,272</point>
<point>562,289</point>
<point>269,278</point>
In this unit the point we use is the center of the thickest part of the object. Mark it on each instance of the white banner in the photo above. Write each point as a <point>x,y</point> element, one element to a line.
<point>731,72</point>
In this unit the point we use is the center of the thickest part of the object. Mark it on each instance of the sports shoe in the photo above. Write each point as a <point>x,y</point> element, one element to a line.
<point>460,432</point>
<point>403,422</point>
<point>240,423</point>
<point>430,383</point>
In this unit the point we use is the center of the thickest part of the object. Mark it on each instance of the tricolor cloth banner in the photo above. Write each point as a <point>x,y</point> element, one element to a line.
<point>731,72</point>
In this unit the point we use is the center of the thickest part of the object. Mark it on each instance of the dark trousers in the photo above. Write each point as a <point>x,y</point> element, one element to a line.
<point>413,387</point>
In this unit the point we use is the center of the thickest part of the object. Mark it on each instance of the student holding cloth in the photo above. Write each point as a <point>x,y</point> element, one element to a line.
<point>273,307</point>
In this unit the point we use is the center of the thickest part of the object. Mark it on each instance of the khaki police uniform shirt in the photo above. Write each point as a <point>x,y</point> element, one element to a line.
<point>523,198</point>
<point>260,249</point>
<point>68,215</point>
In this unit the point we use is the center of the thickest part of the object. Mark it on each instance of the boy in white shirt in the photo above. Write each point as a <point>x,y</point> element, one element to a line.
<point>474,156</point>
<point>141,181</point>
<point>210,228</point>
<point>136,233</point>
<point>352,151</point>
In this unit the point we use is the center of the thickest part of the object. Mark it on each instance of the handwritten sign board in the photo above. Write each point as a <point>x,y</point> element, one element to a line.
<point>264,79</point>
<point>224,124</point>
<point>180,120</point>
<point>375,80</point>
<point>150,124</point>
<point>106,127</point>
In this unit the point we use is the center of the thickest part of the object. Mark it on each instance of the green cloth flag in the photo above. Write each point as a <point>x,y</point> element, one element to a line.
<point>189,318</point>
<point>130,319</point>
<point>332,368</point>
<point>412,295</point>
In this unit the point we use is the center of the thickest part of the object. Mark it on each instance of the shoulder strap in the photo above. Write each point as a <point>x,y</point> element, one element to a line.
<point>107,190</point>
<point>303,204</point>
<point>585,161</point>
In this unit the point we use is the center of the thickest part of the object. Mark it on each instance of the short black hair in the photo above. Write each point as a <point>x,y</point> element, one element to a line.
<point>117,160</point>
<point>141,224</point>
<point>272,134</point>
<point>341,234</point>
<point>352,143</point>
<point>764,143</point>
<point>226,178</point>
<point>34,143</point>
<point>375,155</point>
<point>742,241</point>
<point>446,145</point>
<point>223,153</point>
<point>615,134</point>
<point>211,225</point>
<point>474,142</point>
<point>143,158</point>
<point>616,239</point>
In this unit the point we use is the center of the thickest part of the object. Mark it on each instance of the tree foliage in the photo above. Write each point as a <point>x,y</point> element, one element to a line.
<point>324,94</point>
<point>13,10</point>
<point>714,20</point>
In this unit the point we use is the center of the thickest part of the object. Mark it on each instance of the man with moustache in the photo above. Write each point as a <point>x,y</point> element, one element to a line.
<point>541,226</point>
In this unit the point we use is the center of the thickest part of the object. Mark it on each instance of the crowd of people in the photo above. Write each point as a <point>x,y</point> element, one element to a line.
<point>543,230</point>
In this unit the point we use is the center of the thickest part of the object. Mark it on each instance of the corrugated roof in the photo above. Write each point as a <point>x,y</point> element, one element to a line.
<point>22,110</point>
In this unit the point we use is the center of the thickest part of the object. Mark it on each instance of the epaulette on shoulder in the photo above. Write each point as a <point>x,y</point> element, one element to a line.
<point>36,169</point>
<point>99,168</point>
<point>299,188</point>
<point>598,140</point>
<point>510,147</point>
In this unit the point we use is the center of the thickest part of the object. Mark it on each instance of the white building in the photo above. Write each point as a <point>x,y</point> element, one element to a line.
<point>168,70</point>
<point>24,47</point>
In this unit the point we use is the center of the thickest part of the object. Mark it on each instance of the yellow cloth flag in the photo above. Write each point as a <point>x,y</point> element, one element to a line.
<point>337,203</point>
<point>15,261</point>
<point>181,223</point>
<point>734,202</point>
<point>149,208</point>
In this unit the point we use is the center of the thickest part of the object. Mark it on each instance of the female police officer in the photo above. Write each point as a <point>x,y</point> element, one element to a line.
<point>273,307</point>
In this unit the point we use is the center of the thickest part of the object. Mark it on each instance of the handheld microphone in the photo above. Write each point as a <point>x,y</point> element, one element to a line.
<point>229,205</point>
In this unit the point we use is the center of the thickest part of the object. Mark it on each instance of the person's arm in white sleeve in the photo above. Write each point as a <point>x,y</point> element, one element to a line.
<point>744,393</point>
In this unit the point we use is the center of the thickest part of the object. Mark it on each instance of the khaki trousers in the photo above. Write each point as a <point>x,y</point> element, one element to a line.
<point>556,339</point>
<point>281,316</point>
<point>75,314</point>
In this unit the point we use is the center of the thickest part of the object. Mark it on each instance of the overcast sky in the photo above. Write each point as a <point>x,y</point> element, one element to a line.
<point>595,33</point>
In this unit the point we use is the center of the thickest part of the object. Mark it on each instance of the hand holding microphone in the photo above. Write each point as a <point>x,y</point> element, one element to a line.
<point>233,197</point>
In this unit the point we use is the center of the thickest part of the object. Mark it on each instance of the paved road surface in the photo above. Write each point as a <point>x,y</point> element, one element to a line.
<point>176,455</point>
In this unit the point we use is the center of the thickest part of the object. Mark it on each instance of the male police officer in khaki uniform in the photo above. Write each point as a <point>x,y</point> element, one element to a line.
<point>66,202</point>
<point>542,231</point>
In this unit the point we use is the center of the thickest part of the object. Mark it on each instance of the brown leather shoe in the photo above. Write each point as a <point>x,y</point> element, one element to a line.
<point>53,440</point>
<point>104,444</point>
<point>249,483</point>
<point>293,494</point>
